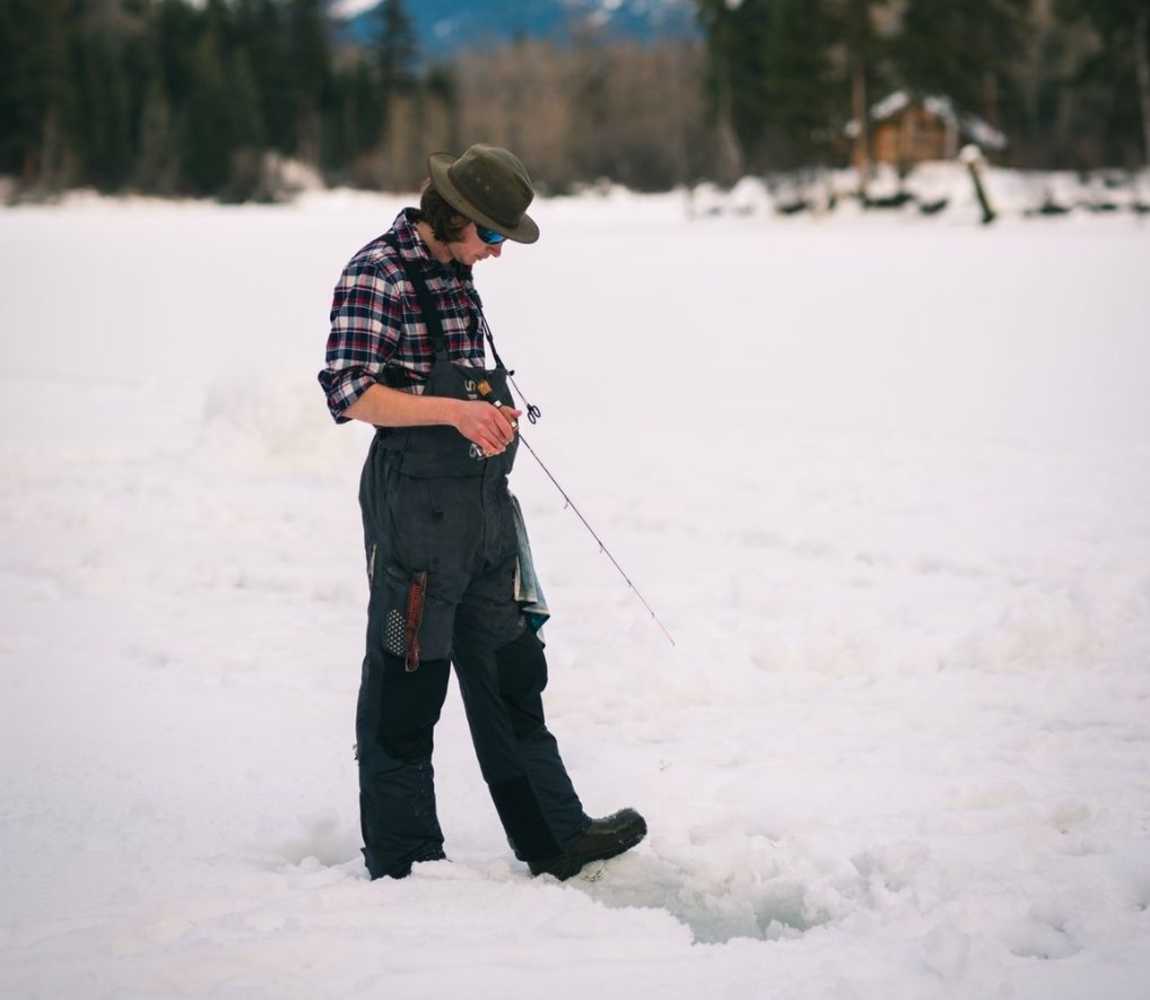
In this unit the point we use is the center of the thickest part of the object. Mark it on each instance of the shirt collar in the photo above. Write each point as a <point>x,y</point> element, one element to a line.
<point>412,247</point>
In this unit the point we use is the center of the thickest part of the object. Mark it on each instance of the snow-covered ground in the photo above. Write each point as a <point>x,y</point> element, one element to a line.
<point>887,482</point>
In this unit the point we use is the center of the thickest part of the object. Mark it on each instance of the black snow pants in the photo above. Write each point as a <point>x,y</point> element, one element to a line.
<point>461,530</point>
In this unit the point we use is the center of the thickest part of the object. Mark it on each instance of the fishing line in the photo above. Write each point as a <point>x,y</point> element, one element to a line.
<point>602,547</point>
<point>533,415</point>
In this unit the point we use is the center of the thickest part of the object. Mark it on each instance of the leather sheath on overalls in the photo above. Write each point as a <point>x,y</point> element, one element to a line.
<point>441,546</point>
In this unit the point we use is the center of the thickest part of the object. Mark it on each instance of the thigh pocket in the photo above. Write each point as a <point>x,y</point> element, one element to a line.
<point>412,622</point>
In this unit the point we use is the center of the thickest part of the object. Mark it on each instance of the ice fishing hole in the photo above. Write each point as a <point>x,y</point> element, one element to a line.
<point>778,909</point>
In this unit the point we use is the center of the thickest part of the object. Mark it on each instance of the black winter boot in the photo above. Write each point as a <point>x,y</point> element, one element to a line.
<point>604,838</point>
<point>403,869</point>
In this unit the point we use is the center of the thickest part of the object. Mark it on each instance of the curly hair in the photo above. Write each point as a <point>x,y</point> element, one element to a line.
<point>446,222</point>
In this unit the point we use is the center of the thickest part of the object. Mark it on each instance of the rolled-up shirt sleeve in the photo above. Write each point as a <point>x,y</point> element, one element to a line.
<point>366,323</point>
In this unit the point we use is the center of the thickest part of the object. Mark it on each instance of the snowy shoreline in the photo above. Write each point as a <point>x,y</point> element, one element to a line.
<point>930,193</point>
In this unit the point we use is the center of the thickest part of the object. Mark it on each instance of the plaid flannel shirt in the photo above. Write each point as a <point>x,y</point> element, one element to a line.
<point>374,317</point>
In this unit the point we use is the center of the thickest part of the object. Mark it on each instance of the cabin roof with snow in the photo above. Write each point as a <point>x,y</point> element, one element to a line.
<point>970,127</point>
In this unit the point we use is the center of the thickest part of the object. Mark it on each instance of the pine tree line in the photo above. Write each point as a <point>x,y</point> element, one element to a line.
<point>174,97</point>
<point>169,97</point>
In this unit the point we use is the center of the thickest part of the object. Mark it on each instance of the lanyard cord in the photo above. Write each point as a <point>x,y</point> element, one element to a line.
<point>533,411</point>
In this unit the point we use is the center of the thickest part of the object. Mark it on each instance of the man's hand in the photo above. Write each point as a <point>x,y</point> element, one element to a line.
<point>491,427</point>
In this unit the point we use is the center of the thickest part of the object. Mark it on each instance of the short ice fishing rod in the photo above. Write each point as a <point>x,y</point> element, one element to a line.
<point>533,415</point>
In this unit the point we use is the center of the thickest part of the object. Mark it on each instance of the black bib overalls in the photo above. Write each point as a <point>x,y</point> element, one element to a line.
<point>441,554</point>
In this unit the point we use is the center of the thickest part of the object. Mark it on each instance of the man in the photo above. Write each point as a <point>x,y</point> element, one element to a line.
<point>406,354</point>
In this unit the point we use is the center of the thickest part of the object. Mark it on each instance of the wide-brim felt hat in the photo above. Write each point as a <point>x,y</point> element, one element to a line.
<point>490,186</point>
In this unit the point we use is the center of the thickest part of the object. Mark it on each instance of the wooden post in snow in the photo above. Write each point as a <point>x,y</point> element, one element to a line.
<point>972,156</point>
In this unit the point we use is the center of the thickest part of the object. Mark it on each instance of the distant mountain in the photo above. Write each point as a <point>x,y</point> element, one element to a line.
<point>446,26</point>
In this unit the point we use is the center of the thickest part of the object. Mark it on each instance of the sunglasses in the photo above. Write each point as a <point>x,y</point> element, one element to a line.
<point>489,236</point>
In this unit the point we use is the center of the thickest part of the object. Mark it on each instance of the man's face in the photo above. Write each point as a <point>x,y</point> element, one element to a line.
<point>470,249</point>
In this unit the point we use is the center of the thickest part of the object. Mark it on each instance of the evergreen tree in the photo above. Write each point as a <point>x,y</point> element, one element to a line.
<point>157,166</point>
<point>442,85</point>
<point>140,71</point>
<point>770,77</point>
<point>397,49</point>
<point>801,92</point>
<point>100,130</point>
<point>262,35</point>
<point>736,37</point>
<point>863,66</point>
<point>364,117</point>
<point>206,139</point>
<point>35,95</point>
<point>310,88</point>
<point>20,99</point>
<point>176,29</point>
<point>397,54</point>
<point>967,52</point>
<point>1120,71</point>
<point>246,128</point>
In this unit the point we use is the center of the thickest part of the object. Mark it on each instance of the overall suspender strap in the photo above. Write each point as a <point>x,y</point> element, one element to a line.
<point>423,297</point>
<point>491,341</point>
<point>431,313</point>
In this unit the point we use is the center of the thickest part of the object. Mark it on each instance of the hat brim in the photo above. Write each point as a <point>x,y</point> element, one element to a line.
<point>437,164</point>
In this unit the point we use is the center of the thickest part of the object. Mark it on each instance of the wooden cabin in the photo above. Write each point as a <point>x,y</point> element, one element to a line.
<point>907,129</point>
